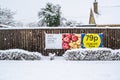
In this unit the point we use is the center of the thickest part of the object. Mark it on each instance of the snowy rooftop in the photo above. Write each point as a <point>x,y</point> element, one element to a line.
<point>108,11</point>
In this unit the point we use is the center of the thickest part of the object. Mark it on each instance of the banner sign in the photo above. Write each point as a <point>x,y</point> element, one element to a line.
<point>53,41</point>
<point>92,40</point>
<point>73,41</point>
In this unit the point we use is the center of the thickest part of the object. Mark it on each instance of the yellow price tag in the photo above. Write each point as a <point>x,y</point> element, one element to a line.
<point>91,41</point>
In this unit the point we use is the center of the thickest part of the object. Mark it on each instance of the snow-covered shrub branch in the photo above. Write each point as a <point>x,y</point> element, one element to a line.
<point>92,54</point>
<point>19,54</point>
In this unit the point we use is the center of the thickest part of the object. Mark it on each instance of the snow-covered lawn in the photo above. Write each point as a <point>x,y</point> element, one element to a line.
<point>18,65</point>
<point>59,69</point>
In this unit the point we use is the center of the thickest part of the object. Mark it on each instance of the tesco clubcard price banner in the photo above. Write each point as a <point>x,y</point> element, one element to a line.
<point>72,41</point>
<point>62,41</point>
<point>92,40</point>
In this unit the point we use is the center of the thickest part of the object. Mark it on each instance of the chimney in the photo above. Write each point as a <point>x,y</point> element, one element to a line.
<point>95,6</point>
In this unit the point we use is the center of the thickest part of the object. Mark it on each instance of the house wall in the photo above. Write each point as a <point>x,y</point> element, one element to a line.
<point>34,39</point>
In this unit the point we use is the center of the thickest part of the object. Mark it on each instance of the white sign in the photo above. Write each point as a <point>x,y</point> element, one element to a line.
<point>53,41</point>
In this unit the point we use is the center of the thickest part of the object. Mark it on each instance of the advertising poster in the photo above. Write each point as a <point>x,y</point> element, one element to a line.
<point>53,41</point>
<point>92,40</point>
<point>71,41</point>
<point>62,41</point>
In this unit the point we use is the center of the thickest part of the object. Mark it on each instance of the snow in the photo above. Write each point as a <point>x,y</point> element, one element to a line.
<point>4,26</point>
<point>51,55</point>
<point>15,50</point>
<point>108,15</point>
<point>108,12</point>
<point>19,54</point>
<point>86,49</point>
<point>19,28</point>
<point>59,70</point>
<point>104,54</point>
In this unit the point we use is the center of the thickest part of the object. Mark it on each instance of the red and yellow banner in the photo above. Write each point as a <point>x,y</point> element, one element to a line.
<point>71,41</point>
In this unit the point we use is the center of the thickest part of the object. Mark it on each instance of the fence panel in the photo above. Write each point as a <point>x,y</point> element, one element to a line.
<point>34,39</point>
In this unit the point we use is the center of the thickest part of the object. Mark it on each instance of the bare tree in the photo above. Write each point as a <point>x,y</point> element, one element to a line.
<point>6,17</point>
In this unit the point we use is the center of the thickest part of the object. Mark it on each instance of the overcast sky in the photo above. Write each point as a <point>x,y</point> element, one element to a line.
<point>27,10</point>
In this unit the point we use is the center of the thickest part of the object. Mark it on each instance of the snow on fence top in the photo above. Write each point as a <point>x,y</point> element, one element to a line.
<point>12,28</point>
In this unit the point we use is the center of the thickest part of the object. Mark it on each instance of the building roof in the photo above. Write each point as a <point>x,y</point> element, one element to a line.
<point>109,11</point>
<point>91,18</point>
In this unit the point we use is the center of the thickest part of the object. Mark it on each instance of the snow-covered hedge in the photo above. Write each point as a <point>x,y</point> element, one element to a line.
<point>92,54</point>
<point>19,54</point>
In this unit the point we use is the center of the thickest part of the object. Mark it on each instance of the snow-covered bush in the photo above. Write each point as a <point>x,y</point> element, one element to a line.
<point>19,54</point>
<point>52,56</point>
<point>116,55</point>
<point>92,54</point>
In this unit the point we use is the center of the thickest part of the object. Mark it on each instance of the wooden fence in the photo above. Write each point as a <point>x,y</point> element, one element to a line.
<point>33,39</point>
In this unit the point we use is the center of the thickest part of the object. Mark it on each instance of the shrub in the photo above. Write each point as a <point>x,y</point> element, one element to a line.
<point>19,54</point>
<point>92,54</point>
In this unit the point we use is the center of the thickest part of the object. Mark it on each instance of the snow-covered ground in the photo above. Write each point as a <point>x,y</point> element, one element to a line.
<point>59,69</point>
